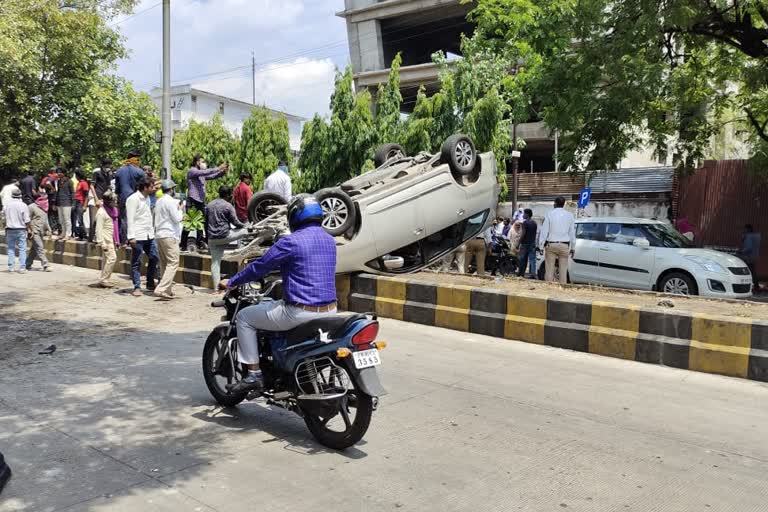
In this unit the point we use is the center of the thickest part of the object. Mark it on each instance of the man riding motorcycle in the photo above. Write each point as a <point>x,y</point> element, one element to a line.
<point>307,262</point>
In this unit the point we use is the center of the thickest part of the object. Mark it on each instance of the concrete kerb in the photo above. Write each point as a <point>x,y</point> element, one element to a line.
<point>194,269</point>
<point>726,346</point>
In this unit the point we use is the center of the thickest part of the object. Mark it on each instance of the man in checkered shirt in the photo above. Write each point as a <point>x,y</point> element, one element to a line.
<point>307,262</point>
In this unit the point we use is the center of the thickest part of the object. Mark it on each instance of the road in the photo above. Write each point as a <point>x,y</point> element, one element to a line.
<point>119,419</point>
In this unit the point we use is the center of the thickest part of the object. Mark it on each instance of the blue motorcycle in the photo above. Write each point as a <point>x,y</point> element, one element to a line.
<point>324,370</point>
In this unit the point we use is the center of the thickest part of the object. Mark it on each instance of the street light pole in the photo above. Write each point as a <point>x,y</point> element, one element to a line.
<point>166,105</point>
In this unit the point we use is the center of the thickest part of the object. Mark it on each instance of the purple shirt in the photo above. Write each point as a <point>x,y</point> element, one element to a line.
<point>196,179</point>
<point>307,262</point>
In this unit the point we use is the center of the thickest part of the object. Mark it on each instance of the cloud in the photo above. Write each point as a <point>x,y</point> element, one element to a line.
<point>297,43</point>
<point>302,86</point>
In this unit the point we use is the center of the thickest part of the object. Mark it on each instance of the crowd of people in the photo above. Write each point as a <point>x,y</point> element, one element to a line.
<point>523,239</point>
<point>132,208</point>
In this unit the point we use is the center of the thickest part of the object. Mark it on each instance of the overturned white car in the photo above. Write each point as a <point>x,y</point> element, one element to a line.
<point>402,216</point>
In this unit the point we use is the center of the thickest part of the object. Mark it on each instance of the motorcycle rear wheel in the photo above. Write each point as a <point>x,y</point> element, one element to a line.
<point>355,429</point>
<point>213,345</point>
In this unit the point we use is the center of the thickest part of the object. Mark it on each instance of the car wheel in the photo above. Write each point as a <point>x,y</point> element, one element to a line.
<point>678,283</point>
<point>262,204</point>
<point>387,152</point>
<point>339,213</point>
<point>460,155</point>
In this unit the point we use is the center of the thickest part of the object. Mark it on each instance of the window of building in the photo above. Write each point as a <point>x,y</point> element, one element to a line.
<point>194,103</point>
<point>221,107</point>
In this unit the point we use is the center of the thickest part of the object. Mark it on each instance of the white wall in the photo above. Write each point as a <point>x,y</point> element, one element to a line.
<point>638,208</point>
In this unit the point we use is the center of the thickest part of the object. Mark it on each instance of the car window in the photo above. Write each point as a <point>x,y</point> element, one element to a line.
<point>623,234</point>
<point>590,231</point>
<point>474,225</point>
<point>662,235</point>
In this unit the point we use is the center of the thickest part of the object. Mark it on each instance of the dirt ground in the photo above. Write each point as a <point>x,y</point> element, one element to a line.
<point>737,308</point>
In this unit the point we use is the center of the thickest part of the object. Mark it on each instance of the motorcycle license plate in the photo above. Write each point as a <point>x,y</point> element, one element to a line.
<point>366,358</point>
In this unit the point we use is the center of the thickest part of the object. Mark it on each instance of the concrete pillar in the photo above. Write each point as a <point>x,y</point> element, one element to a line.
<point>369,46</point>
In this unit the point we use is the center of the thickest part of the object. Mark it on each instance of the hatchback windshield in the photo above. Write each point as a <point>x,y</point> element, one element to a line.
<point>666,236</point>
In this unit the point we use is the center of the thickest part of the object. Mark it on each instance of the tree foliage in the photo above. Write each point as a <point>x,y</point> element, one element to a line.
<point>58,100</point>
<point>612,76</point>
<point>341,147</point>
<point>470,100</point>
<point>264,142</point>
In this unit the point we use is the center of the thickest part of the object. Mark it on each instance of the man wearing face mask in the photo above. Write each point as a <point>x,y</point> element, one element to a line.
<point>279,182</point>
<point>197,176</point>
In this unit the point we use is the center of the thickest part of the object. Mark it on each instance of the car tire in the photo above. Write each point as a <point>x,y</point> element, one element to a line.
<point>678,281</point>
<point>459,153</point>
<point>387,152</point>
<point>339,212</point>
<point>259,204</point>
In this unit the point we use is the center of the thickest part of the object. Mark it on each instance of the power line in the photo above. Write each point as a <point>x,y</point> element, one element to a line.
<point>309,50</point>
<point>118,22</point>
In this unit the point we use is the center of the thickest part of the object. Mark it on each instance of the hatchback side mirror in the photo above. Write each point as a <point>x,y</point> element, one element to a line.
<point>642,243</point>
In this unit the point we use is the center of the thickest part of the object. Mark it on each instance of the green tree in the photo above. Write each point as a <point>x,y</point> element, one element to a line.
<point>389,100</point>
<point>612,76</point>
<point>264,142</point>
<point>53,58</point>
<point>333,151</point>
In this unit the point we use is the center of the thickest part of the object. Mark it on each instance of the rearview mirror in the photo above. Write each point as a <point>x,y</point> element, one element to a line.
<point>642,243</point>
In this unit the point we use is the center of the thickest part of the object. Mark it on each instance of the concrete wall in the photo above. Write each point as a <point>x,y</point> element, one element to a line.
<point>638,208</point>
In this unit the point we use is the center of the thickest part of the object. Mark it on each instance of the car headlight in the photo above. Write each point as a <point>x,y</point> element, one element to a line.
<point>708,264</point>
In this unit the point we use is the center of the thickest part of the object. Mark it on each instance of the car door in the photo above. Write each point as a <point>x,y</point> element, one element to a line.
<point>584,266</point>
<point>395,220</point>
<point>621,263</point>
<point>443,201</point>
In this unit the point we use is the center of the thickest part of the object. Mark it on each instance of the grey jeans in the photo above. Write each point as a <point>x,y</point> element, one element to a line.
<point>36,251</point>
<point>217,246</point>
<point>273,316</point>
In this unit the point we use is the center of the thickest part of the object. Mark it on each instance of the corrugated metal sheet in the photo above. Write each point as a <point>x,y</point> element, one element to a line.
<point>633,181</point>
<point>719,199</point>
<point>643,180</point>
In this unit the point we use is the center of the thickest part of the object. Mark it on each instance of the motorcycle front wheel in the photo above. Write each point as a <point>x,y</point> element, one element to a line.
<point>217,378</point>
<point>347,426</point>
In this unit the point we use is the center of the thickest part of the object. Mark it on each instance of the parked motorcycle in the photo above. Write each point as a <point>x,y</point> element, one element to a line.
<point>324,370</point>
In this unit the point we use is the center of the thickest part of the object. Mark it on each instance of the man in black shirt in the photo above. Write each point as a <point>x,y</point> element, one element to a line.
<point>28,186</point>
<point>527,244</point>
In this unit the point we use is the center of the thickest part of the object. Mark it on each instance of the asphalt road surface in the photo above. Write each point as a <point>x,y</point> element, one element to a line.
<point>119,419</point>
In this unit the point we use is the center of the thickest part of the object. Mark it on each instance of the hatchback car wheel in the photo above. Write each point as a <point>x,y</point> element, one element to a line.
<point>339,213</point>
<point>678,283</point>
<point>459,153</point>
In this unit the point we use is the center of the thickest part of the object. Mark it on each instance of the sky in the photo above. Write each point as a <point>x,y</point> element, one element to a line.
<point>298,45</point>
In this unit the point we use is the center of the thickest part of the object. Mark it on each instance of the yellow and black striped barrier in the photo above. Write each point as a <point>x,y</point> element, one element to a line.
<point>726,346</point>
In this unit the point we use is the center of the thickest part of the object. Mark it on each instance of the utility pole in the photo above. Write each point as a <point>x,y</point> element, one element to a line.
<point>515,158</point>
<point>167,137</point>
<point>253,76</point>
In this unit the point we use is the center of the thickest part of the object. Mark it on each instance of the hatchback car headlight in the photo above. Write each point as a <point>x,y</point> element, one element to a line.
<point>708,264</point>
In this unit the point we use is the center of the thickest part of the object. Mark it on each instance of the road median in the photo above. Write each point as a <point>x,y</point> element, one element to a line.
<point>696,341</point>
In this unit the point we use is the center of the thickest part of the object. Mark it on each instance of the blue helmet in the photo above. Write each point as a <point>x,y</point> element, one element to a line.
<point>304,209</point>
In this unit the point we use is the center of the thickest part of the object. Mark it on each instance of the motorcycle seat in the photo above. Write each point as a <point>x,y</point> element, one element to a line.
<point>335,325</point>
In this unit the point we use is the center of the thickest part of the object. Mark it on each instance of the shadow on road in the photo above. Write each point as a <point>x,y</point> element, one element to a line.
<point>115,408</point>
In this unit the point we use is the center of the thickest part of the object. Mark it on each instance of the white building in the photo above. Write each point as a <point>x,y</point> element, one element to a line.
<point>188,103</point>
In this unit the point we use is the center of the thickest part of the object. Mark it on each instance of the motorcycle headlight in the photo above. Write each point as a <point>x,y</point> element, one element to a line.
<point>708,264</point>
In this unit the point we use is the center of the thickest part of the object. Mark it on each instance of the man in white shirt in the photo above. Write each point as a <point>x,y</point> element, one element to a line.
<point>168,215</point>
<point>279,182</point>
<point>141,236</point>
<point>558,239</point>
<point>16,221</point>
